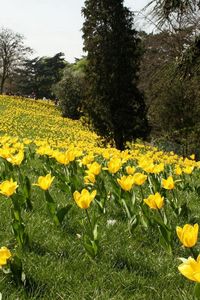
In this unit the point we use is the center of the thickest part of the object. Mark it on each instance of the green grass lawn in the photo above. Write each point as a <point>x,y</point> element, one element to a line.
<point>129,266</point>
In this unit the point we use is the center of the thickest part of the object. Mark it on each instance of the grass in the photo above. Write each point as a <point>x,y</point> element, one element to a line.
<point>129,266</point>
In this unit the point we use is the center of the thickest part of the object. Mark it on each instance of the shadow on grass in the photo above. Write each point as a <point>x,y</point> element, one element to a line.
<point>138,268</point>
<point>40,250</point>
<point>35,288</point>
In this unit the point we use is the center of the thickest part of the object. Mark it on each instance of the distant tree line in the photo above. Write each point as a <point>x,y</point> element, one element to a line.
<point>129,84</point>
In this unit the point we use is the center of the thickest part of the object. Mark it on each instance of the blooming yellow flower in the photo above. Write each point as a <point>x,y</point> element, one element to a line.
<point>44,182</point>
<point>114,165</point>
<point>94,168</point>
<point>158,168</point>
<point>188,234</point>
<point>89,179</point>
<point>62,158</point>
<point>87,159</point>
<point>139,178</point>
<point>16,159</point>
<point>188,169</point>
<point>130,170</point>
<point>8,187</point>
<point>126,182</point>
<point>192,156</point>
<point>84,198</point>
<point>4,256</point>
<point>190,268</point>
<point>168,183</point>
<point>155,201</point>
<point>178,170</point>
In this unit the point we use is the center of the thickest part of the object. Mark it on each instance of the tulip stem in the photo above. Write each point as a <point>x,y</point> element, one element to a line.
<point>174,197</point>
<point>88,217</point>
<point>142,194</point>
<point>160,214</point>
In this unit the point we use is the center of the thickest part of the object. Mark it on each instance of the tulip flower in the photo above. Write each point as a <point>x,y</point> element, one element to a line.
<point>188,169</point>
<point>4,256</point>
<point>130,170</point>
<point>8,187</point>
<point>188,234</point>
<point>139,178</point>
<point>84,198</point>
<point>190,268</point>
<point>178,170</point>
<point>155,201</point>
<point>17,158</point>
<point>89,179</point>
<point>94,168</point>
<point>114,165</point>
<point>44,182</point>
<point>126,182</point>
<point>168,183</point>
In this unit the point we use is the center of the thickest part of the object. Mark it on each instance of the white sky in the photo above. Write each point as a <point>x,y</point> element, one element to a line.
<point>51,26</point>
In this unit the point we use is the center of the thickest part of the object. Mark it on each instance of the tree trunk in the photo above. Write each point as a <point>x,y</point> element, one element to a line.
<point>119,141</point>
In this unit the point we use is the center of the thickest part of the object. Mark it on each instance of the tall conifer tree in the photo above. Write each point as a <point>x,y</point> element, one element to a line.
<point>114,104</point>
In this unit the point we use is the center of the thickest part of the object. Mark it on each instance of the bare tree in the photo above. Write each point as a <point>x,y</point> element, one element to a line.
<point>12,54</point>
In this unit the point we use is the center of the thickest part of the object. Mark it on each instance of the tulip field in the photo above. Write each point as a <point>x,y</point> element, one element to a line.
<point>83,221</point>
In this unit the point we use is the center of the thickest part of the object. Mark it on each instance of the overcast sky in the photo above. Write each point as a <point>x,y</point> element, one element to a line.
<point>51,26</point>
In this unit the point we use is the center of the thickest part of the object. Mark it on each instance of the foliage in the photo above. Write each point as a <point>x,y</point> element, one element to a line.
<point>12,54</point>
<point>70,90</point>
<point>114,104</point>
<point>169,78</point>
<point>38,75</point>
<point>173,13</point>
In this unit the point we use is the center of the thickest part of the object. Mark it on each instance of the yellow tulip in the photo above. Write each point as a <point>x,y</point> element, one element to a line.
<point>89,179</point>
<point>188,169</point>
<point>139,178</point>
<point>178,170</point>
<point>158,168</point>
<point>94,168</point>
<point>44,182</point>
<point>155,201</point>
<point>130,170</point>
<point>114,165</point>
<point>84,198</point>
<point>192,156</point>
<point>188,234</point>
<point>168,183</point>
<point>190,268</point>
<point>8,187</point>
<point>16,159</point>
<point>62,158</point>
<point>4,256</point>
<point>126,182</point>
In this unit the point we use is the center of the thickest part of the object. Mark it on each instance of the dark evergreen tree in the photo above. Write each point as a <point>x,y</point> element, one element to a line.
<point>38,75</point>
<point>115,105</point>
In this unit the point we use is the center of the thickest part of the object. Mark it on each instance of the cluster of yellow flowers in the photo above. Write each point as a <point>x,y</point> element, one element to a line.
<point>66,143</point>
<point>188,236</point>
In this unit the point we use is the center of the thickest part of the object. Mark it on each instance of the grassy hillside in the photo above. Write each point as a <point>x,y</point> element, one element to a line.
<point>39,119</point>
<point>105,242</point>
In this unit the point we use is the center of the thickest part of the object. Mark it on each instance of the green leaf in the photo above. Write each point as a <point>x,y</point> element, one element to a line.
<point>133,223</point>
<point>127,209</point>
<point>90,246</point>
<point>197,290</point>
<point>95,232</point>
<point>63,212</point>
